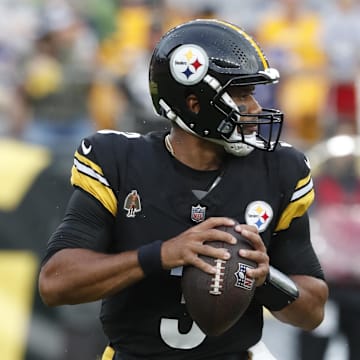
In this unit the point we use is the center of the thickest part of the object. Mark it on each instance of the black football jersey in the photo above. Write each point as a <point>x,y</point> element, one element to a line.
<point>151,197</point>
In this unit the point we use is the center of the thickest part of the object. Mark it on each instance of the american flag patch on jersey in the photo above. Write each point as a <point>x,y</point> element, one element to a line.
<point>242,280</point>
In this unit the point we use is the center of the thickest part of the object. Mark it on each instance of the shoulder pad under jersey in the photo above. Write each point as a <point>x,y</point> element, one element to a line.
<point>96,165</point>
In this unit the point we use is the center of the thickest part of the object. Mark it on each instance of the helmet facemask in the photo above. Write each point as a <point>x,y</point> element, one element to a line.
<point>233,128</point>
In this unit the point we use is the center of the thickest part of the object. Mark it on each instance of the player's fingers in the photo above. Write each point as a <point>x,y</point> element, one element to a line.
<point>262,259</point>
<point>213,252</point>
<point>203,265</point>
<point>257,256</point>
<point>214,235</point>
<point>252,234</point>
<point>260,272</point>
<point>214,222</point>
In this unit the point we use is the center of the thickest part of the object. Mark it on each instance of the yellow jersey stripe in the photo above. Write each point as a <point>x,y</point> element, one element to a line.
<point>295,209</point>
<point>250,40</point>
<point>90,172</point>
<point>301,191</point>
<point>303,181</point>
<point>108,353</point>
<point>96,188</point>
<point>88,162</point>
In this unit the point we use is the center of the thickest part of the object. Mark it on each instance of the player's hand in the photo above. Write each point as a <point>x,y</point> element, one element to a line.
<point>258,255</point>
<point>184,249</point>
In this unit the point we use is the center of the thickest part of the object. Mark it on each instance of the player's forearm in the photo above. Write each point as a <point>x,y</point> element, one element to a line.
<point>74,276</point>
<point>307,312</point>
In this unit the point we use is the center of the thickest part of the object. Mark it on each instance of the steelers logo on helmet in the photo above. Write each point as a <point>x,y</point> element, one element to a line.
<point>259,214</point>
<point>189,64</point>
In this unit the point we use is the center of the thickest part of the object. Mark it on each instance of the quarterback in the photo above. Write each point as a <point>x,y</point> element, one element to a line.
<point>145,206</point>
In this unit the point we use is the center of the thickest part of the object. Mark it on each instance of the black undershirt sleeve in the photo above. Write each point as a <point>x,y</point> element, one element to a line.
<point>86,224</point>
<point>291,251</point>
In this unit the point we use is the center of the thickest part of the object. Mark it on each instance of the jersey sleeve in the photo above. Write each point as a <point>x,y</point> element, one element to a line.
<point>297,186</point>
<point>86,225</point>
<point>291,250</point>
<point>94,169</point>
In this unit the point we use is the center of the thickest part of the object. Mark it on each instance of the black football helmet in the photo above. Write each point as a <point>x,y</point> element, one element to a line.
<point>206,58</point>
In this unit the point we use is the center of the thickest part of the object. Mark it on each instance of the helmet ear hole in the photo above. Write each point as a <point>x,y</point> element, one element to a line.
<point>193,103</point>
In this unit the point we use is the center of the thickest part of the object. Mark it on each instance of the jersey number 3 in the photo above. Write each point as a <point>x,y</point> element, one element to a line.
<point>169,329</point>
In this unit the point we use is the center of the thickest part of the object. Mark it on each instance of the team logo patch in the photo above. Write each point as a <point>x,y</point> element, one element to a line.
<point>260,214</point>
<point>198,213</point>
<point>242,280</point>
<point>189,64</point>
<point>132,204</point>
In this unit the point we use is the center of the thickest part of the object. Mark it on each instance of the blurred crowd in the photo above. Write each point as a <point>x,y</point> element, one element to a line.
<point>70,67</point>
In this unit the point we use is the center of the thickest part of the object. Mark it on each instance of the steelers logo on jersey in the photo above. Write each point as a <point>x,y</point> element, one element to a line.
<point>259,213</point>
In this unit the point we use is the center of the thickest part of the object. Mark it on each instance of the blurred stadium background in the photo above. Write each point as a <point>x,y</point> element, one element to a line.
<point>68,68</point>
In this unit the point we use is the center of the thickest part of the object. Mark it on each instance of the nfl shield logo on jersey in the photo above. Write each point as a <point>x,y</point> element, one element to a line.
<point>198,213</point>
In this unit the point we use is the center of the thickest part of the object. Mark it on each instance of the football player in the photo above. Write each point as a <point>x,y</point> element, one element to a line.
<point>144,207</point>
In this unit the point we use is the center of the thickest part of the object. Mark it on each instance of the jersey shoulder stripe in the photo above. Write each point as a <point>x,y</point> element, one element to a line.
<point>296,183</point>
<point>300,201</point>
<point>303,187</point>
<point>88,176</point>
<point>89,168</point>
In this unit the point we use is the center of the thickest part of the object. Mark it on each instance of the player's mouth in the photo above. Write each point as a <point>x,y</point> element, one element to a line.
<point>247,129</point>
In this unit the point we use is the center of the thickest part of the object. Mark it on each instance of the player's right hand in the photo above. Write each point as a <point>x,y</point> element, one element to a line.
<point>185,248</point>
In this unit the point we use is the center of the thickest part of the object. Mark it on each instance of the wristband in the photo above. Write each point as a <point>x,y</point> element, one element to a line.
<point>149,257</point>
<point>277,292</point>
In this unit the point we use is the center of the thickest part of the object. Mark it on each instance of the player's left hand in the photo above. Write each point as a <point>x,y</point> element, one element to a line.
<point>258,255</point>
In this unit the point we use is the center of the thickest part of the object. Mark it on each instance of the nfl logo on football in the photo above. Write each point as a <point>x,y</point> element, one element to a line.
<point>242,280</point>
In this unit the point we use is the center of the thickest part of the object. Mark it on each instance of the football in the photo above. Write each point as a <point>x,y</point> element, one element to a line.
<point>216,302</point>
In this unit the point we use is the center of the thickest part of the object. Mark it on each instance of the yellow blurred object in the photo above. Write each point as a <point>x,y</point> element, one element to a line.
<point>20,164</point>
<point>105,105</point>
<point>302,97</point>
<point>18,271</point>
<point>298,37</point>
<point>291,38</point>
<point>108,353</point>
<point>44,76</point>
<point>131,36</point>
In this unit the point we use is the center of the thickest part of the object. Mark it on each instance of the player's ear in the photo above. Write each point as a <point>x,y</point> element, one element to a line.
<point>192,103</point>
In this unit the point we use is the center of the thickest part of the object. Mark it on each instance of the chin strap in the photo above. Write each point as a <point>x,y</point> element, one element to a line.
<point>239,148</point>
<point>260,352</point>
